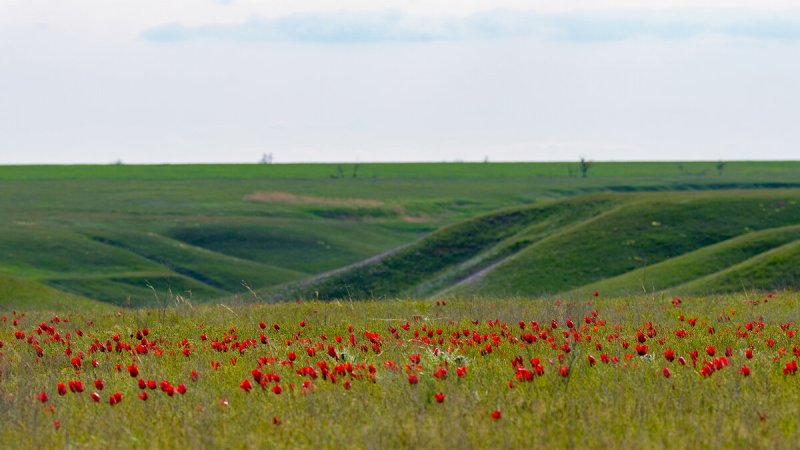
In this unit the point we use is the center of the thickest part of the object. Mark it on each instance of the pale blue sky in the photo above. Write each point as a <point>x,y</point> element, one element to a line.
<point>226,81</point>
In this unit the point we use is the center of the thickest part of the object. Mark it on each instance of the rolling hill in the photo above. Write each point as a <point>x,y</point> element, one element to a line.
<point>140,235</point>
<point>696,242</point>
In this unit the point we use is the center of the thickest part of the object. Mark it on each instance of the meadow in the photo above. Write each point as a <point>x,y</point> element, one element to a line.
<point>628,372</point>
<point>128,235</point>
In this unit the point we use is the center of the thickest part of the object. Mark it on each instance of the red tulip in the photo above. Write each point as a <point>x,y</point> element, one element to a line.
<point>133,370</point>
<point>143,396</point>
<point>62,389</point>
<point>748,353</point>
<point>745,371</point>
<point>277,389</point>
<point>42,397</point>
<point>194,375</point>
<point>99,384</point>
<point>439,397</point>
<point>245,385</point>
<point>95,396</point>
<point>669,355</point>
<point>496,414</point>
<point>666,373</point>
<point>412,378</point>
<point>181,389</point>
<point>710,350</point>
<point>564,371</point>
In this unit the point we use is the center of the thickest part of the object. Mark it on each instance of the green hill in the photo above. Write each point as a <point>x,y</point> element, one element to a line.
<point>693,265</point>
<point>136,235</point>
<point>604,240</point>
<point>16,293</point>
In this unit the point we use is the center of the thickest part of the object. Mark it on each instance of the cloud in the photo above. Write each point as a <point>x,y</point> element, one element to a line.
<point>396,26</point>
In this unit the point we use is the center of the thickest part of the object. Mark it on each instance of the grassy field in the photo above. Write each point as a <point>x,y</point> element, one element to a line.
<point>624,243</point>
<point>593,372</point>
<point>128,235</point>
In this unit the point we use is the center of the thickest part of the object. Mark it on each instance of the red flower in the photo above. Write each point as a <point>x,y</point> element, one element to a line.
<point>496,414</point>
<point>748,353</point>
<point>99,384</point>
<point>591,360</point>
<point>415,358</point>
<point>745,371</point>
<point>181,389</point>
<point>42,397</point>
<point>439,397</point>
<point>62,389</point>
<point>193,376</point>
<point>461,371</point>
<point>142,384</point>
<point>133,370</point>
<point>76,386</point>
<point>564,371</point>
<point>95,396</point>
<point>151,384</point>
<point>262,325</point>
<point>114,398</point>
<point>245,385</point>
<point>666,373</point>
<point>143,396</point>
<point>669,355</point>
<point>292,356</point>
<point>790,368</point>
<point>710,350</point>
<point>412,378</point>
<point>641,349</point>
<point>277,389</point>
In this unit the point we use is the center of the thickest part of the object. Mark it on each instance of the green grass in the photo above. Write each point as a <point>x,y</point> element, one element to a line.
<point>623,404</point>
<point>197,225</point>
<point>554,247</point>
<point>779,267</point>
<point>17,293</point>
<point>642,232</point>
<point>697,264</point>
<point>218,270</point>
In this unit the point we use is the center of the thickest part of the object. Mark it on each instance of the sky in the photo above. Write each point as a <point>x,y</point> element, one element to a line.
<point>211,81</point>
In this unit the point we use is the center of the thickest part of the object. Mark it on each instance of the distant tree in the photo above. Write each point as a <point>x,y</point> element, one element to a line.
<point>355,170</point>
<point>584,166</point>
<point>721,167</point>
<point>266,158</point>
<point>339,171</point>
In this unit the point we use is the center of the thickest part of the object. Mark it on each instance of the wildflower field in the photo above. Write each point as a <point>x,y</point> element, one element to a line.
<point>635,372</point>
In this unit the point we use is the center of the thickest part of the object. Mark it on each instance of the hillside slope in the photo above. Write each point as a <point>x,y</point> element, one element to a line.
<point>17,293</point>
<point>558,246</point>
<point>693,265</point>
